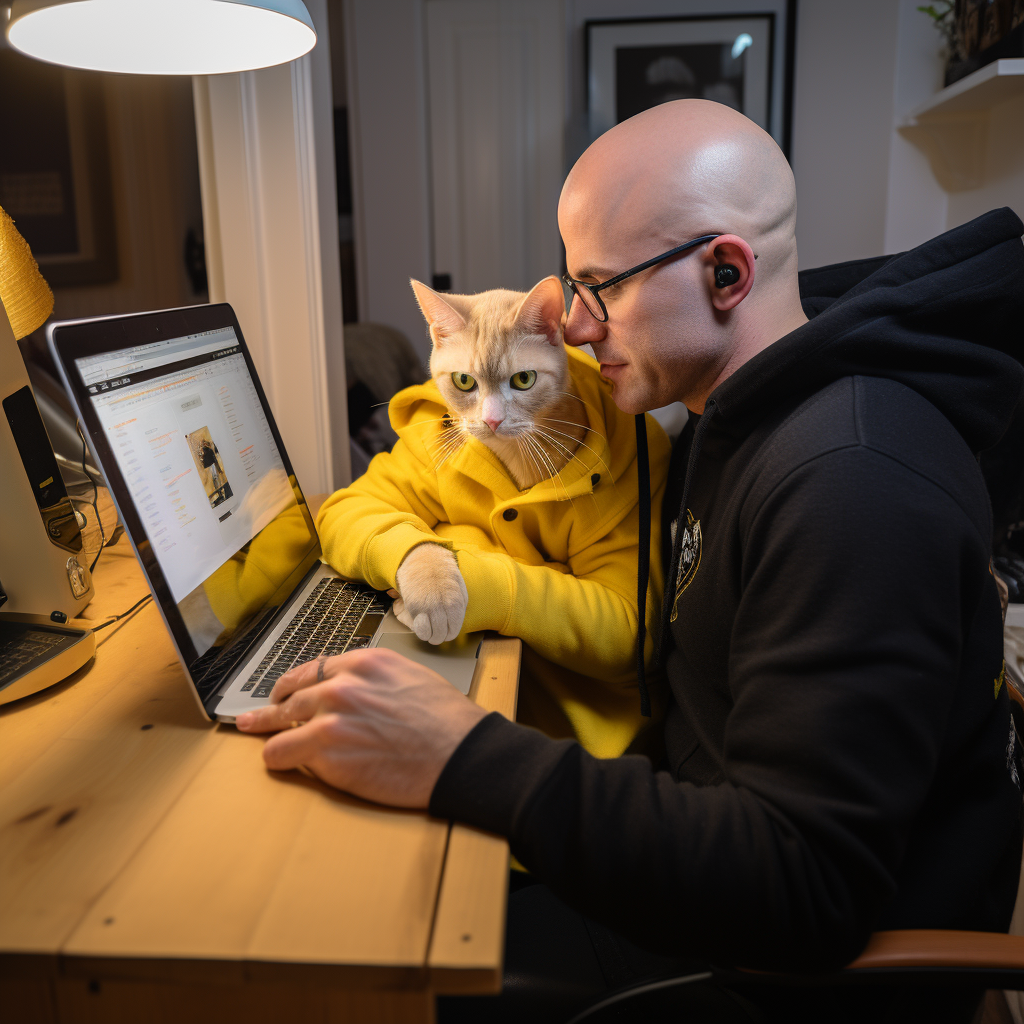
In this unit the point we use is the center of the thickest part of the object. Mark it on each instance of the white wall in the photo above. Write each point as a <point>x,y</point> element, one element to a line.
<point>1003,167</point>
<point>155,185</point>
<point>390,173</point>
<point>916,205</point>
<point>494,74</point>
<point>863,188</point>
<point>842,126</point>
<point>271,222</point>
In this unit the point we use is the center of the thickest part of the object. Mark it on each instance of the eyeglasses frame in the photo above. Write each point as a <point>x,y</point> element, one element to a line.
<point>574,285</point>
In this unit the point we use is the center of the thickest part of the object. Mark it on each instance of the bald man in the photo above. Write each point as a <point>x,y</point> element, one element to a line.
<point>838,753</point>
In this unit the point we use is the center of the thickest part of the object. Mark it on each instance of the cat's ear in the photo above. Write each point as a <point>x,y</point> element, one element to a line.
<point>542,310</point>
<point>443,318</point>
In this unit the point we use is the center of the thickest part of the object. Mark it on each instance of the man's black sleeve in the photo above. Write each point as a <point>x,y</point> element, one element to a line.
<point>860,580</point>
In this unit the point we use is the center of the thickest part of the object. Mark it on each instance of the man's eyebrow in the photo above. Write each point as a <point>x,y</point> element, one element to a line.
<point>597,273</point>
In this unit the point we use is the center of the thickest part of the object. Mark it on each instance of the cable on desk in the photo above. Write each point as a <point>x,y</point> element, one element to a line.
<point>95,497</point>
<point>116,618</point>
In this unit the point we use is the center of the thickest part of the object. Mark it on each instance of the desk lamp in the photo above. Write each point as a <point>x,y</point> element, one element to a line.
<point>162,37</point>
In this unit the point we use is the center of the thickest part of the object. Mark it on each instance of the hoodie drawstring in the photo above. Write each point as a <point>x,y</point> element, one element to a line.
<point>643,557</point>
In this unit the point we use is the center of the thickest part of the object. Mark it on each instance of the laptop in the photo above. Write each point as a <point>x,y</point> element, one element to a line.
<point>177,419</point>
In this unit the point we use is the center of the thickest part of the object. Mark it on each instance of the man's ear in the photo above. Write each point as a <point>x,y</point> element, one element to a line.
<point>731,251</point>
<point>543,310</point>
<point>443,318</point>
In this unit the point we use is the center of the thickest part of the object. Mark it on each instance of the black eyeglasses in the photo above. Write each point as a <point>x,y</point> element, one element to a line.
<point>588,293</point>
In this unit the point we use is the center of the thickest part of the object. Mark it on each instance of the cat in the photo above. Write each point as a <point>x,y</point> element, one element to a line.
<point>510,502</point>
<point>499,362</point>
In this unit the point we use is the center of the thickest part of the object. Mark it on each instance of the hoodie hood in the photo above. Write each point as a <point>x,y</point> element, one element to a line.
<point>945,319</point>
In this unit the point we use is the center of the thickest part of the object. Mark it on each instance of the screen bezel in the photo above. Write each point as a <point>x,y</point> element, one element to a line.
<point>78,339</point>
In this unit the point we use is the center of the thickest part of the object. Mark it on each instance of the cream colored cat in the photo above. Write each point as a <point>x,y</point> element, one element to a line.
<point>511,503</point>
<point>500,365</point>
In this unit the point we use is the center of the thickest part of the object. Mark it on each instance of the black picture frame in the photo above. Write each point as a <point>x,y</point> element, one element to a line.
<point>744,59</point>
<point>55,169</point>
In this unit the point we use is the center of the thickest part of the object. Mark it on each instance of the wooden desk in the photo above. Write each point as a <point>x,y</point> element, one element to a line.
<point>152,870</point>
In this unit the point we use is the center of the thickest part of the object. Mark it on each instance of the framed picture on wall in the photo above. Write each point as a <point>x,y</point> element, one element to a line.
<point>741,60</point>
<point>55,169</point>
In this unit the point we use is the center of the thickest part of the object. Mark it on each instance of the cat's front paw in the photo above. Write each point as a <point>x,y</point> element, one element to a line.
<point>433,596</point>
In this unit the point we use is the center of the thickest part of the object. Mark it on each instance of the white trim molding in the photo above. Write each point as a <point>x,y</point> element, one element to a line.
<point>271,228</point>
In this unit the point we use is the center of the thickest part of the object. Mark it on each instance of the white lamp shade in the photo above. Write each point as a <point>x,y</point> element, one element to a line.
<point>162,37</point>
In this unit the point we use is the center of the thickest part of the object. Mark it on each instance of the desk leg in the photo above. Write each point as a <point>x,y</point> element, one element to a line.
<point>80,1001</point>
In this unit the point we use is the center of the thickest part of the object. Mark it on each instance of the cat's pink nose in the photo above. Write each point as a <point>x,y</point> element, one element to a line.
<point>494,424</point>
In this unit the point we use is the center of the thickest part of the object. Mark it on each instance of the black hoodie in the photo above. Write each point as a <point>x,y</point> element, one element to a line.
<point>840,756</point>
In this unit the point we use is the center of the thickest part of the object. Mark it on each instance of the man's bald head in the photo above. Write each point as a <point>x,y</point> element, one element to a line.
<point>684,169</point>
<point>670,174</point>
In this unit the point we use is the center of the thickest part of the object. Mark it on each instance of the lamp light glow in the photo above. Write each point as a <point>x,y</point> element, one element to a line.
<point>162,37</point>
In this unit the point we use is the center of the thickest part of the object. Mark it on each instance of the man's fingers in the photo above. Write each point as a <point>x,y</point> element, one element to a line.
<point>298,746</point>
<point>296,678</point>
<point>296,709</point>
<point>300,707</point>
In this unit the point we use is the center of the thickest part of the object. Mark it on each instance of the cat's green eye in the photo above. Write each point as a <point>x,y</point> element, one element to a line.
<point>524,380</point>
<point>463,381</point>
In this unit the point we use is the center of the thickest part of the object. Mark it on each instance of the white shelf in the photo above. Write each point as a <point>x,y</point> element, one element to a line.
<point>978,92</point>
<point>951,129</point>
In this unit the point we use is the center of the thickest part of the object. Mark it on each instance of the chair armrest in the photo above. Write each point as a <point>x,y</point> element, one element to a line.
<point>945,949</point>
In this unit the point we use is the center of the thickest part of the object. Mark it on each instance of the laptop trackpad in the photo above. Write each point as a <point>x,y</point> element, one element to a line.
<point>456,661</point>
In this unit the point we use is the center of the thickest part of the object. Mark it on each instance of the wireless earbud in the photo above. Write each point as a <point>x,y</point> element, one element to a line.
<point>725,275</point>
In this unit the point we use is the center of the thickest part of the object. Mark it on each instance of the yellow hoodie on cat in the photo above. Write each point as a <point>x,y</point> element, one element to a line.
<point>554,565</point>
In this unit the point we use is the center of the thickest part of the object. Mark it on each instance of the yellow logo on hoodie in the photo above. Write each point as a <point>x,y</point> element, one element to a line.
<point>689,560</point>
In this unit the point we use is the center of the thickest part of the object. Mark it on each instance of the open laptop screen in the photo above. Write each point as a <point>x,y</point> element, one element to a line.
<point>199,464</point>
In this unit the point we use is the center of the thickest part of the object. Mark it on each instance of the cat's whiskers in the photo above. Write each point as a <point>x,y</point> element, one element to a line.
<point>445,433</point>
<point>583,444</point>
<point>543,470</point>
<point>542,437</point>
<point>527,454</point>
<point>551,466</point>
<point>450,438</point>
<point>433,422</point>
<point>565,451</point>
<point>596,412</point>
<point>572,423</point>
<point>438,447</point>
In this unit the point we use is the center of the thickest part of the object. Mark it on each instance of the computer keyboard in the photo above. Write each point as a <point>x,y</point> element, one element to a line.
<point>337,616</point>
<point>21,646</point>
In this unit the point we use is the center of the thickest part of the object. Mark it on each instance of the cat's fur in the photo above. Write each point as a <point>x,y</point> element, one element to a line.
<point>491,337</point>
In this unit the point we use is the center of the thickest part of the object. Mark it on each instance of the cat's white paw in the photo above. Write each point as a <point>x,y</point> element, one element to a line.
<point>433,593</point>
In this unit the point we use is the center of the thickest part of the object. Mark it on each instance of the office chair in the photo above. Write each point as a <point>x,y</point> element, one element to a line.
<point>941,975</point>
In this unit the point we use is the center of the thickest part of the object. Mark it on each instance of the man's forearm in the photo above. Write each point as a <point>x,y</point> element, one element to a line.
<point>673,866</point>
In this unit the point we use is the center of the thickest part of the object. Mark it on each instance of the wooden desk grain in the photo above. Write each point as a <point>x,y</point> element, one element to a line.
<point>152,869</point>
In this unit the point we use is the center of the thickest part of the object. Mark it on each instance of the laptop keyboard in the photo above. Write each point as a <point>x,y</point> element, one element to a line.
<point>337,616</point>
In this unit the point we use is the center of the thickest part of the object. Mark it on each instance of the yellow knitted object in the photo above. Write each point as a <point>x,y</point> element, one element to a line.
<point>25,296</point>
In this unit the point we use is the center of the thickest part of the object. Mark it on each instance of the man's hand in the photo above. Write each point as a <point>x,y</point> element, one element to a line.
<point>433,596</point>
<point>379,725</point>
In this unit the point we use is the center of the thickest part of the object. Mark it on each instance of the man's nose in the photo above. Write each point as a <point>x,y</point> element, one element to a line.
<point>581,328</point>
